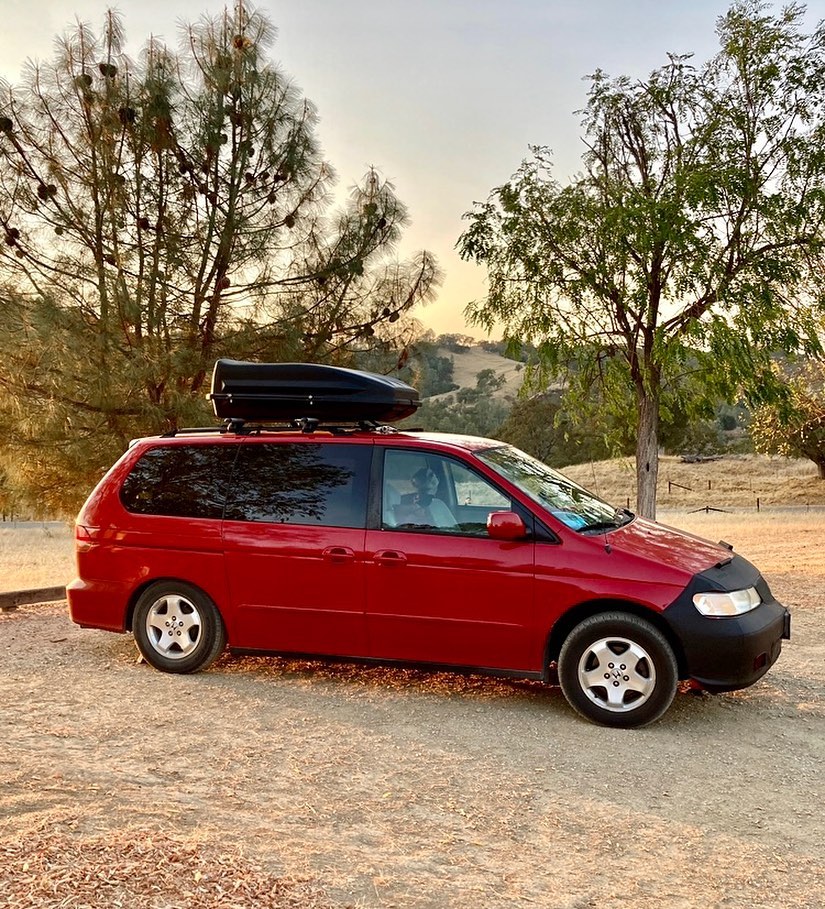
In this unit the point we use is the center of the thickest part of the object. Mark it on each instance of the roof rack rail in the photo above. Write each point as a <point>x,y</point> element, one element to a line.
<point>307,425</point>
<point>234,426</point>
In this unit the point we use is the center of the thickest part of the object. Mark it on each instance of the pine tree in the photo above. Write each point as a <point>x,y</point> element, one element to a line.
<point>160,213</point>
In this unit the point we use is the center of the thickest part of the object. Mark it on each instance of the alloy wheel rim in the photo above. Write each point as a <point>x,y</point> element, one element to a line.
<point>617,674</point>
<point>173,626</point>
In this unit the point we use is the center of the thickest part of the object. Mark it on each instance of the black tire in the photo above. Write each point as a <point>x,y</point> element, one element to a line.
<point>177,627</point>
<point>618,670</point>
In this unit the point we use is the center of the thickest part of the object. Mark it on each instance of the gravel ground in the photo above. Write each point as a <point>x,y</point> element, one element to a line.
<point>266,782</point>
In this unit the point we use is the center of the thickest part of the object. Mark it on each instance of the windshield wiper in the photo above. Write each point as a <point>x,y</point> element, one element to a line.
<point>620,517</point>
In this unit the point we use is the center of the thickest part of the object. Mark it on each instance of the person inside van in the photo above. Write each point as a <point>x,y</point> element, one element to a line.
<point>423,507</point>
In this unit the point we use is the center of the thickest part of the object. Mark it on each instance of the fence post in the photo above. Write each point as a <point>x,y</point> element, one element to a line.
<point>757,504</point>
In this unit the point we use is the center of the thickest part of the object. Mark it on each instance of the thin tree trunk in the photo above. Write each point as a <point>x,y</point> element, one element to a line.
<point>647,455</point>
<point>820,465</point>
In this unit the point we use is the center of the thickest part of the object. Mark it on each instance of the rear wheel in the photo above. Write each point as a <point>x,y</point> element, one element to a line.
<point>177,627</point>
<point>618,670</point>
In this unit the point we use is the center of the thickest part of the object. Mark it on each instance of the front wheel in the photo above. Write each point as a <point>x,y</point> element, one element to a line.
<point>177,627</point>
<point>618,670</point>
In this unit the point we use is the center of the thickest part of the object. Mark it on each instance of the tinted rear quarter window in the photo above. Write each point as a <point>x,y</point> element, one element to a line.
<point>301,483</point>
<point>187,481</point>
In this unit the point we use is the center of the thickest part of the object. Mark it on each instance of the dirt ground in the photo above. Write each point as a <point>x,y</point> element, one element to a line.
<point>265,782</point>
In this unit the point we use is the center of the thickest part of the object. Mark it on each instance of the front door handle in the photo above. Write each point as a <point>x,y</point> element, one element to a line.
<point>389,557</point>
<point>339,554</point>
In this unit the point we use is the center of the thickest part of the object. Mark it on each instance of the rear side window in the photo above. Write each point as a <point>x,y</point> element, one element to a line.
<point>186,481</point>
<point>303,483</point>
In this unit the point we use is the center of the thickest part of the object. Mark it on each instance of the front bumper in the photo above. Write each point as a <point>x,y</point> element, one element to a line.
<point>723,654</point>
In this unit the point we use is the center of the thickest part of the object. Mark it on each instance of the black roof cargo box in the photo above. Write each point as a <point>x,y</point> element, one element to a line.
<point>281,392</point>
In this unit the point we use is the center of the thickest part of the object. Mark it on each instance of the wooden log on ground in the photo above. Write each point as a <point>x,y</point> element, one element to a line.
<point>10,601</point>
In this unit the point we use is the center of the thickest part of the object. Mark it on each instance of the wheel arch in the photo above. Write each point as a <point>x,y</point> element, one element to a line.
<point>576,614</point>
<point>138,592</point>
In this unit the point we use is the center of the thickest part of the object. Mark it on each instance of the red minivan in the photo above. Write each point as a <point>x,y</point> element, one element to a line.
<point>367,543</point>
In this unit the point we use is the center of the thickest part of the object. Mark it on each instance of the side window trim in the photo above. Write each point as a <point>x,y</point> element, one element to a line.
<point>376,487</point>
<point>230,478</point>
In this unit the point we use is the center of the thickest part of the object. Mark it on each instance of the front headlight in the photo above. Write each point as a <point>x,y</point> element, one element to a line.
<point>723,604</point>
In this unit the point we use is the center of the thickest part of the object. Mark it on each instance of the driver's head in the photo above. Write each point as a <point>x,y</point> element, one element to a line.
<point>425,481</point>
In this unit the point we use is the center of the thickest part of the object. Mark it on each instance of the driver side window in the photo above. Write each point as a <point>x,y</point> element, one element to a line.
<point>425,492</point>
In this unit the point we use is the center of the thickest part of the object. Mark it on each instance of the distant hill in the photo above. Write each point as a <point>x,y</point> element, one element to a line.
<point>468,363</point>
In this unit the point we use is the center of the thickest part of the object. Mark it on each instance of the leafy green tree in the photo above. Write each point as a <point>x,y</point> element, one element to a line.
<point>519,352</point>
<point>542,427</point>
<point>560,432</point>
<point>684,247</point>
<point>419,362</point>
<point>795,427</point>
<point>426,367</point>
<point>160,213</point>
<point>456,342</point>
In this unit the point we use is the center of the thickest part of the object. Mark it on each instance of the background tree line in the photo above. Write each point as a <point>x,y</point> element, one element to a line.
<point>549,424</point>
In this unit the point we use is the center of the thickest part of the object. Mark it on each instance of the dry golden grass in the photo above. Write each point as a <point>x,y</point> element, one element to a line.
<point>36,556</point>
<point>467,364</point>
<point>735,480</point>
<point>776,543</point>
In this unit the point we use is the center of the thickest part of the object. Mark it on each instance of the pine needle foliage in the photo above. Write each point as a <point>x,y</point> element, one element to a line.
<point>157,213</point>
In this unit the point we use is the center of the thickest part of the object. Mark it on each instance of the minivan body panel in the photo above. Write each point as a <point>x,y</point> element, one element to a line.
<point>120,563</point>
<point>671,551</point>
<point>586,569</point>
<point>296,588</point>
<point>465,601</point>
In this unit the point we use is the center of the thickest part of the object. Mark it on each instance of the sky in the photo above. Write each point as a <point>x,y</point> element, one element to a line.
<point>443,97</point>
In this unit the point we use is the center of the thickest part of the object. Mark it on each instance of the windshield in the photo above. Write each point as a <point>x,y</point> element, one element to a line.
<point>564,499</point>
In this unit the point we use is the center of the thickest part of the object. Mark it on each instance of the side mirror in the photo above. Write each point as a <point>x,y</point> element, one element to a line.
<point>505,525</point>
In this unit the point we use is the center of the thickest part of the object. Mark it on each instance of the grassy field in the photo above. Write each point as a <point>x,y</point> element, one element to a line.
<point>42,555</point>
<point>733,481</point>
<point>36,556</point>
<point>776,543</point>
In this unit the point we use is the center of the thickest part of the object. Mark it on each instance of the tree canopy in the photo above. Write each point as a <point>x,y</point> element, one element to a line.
<point>158,213</point>
<point>795,425</point>
<point>685,252</point>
